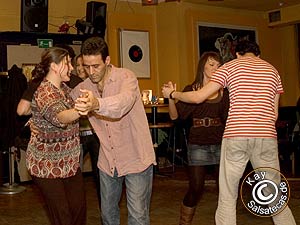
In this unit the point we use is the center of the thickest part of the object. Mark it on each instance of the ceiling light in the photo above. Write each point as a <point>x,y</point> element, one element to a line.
<point>149,2</point>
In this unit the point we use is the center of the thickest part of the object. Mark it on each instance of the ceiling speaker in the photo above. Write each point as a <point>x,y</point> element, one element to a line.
<point>274,16</point>
<point>34,16</point>
<point>96,16</point>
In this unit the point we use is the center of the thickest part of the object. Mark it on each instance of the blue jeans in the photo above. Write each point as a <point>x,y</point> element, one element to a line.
<point>138,194</point>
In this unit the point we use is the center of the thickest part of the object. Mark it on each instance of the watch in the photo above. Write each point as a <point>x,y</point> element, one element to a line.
<point>170,96</point>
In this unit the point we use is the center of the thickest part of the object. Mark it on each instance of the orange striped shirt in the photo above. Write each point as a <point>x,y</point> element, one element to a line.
<point>253,84</point>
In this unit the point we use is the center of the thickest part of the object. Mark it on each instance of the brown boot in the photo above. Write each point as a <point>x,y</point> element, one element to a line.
<point>186,215</point>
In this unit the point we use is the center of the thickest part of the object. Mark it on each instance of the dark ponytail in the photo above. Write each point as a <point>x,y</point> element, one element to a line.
<point>38,72</point>
<point>49,56</point>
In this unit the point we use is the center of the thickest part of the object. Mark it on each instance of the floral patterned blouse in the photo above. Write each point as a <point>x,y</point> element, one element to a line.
<point>54,151</point>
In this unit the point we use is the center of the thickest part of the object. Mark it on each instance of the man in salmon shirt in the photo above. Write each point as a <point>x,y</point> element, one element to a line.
<point>111,98</point>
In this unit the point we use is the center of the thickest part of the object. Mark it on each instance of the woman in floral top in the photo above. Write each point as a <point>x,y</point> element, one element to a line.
<point>52,157</point>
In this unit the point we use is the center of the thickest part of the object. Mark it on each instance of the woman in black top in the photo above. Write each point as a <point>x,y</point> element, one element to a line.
<point>205,135</point>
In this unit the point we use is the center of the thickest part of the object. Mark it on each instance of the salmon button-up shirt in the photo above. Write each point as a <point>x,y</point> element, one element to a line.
<point>120,124</point>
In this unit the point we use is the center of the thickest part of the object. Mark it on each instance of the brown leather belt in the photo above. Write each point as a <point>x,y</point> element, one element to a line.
<point>207,122</point>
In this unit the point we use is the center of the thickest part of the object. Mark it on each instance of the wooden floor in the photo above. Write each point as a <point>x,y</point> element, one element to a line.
<point>28,208</point>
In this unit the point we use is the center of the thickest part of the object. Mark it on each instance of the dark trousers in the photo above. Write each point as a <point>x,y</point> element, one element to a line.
<point>90,144</point>
<point>65,199</point>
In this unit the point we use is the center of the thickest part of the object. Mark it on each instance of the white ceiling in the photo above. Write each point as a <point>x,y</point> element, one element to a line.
<point>259,5</point>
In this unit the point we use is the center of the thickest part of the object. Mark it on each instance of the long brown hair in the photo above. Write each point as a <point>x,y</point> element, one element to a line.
<point>198,82</point>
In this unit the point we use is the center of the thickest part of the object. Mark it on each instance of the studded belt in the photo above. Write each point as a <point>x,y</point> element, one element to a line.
<point>207,122</point>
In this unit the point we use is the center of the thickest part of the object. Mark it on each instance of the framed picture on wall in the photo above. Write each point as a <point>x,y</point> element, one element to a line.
<point>134,52</point>
<point>27,69</point>
<point>223,38</point>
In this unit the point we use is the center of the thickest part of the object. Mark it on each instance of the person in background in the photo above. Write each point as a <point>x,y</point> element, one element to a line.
<point>88,138</point>
<point>79,69</point>
<point>23,108</point>
<point>205,135</point>
<point>111,98</point>
<point>254,88</point>
<point>52,156</point>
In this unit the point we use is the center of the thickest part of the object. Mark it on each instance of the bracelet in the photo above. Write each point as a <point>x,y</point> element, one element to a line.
<point>170,96</point>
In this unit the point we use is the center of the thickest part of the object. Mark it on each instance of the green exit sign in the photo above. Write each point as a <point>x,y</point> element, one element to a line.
<point>45,43</point>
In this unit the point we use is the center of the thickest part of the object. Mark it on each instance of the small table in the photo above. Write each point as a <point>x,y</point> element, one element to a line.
<point>154,126</point>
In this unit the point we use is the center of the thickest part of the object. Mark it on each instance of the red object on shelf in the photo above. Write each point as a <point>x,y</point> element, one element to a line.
<point>64,28</point>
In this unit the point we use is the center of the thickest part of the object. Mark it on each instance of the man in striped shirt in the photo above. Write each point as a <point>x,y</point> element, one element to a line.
<point>254,88</point>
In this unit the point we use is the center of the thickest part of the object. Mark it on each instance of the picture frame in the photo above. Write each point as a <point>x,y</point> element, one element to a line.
<point>146,96</point>
<point>27,69</point>
<point>223,38</point>
<point>134,52</point>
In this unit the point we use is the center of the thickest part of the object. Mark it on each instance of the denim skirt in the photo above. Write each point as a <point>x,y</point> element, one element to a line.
<point>202,155</point>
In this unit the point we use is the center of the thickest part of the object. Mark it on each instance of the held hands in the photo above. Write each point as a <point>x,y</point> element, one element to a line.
<point>86,102</point>
<point>167,89</point>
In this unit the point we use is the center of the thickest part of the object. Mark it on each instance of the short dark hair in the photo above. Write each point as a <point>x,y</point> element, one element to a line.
<point>246,46</point>
<point>95,46</point>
